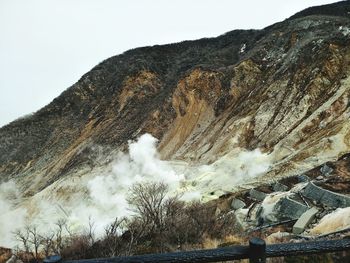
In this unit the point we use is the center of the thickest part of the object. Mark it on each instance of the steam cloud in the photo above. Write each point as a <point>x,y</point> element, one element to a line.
<point>107,192</point>
<point>233,169</point>
<point>10,216</point>
<point>142,164</point>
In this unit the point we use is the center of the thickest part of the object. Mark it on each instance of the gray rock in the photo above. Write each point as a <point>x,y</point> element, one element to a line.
<point>278,187</point>
<point>288,208</point>
<point>305,219</point>
<point>255,194</point>
<point>325,197</point>
<point>313,192</point>
<point>335,200</point>
<point>303,178</point>
<point>326,170</point>
<point>237,204</point>
<point>319,178</point>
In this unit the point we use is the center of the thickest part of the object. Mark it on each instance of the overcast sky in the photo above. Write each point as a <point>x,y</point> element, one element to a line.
<point>47,45</point>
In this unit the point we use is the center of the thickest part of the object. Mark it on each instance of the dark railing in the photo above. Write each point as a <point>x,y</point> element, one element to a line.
<point>257,251</point>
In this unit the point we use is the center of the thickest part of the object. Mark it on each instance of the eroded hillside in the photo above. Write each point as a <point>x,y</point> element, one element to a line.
<point>284,89</point>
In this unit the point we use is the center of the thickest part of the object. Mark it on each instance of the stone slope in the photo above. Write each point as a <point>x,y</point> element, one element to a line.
<point>284,89</point>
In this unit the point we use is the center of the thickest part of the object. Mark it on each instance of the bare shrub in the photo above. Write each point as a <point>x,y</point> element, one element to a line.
<point>160,223</point>
<point>165,223</point>
<point>151,206</point>
<point>35,240</point>
<point>58,245</point>
<point>112,241</point>
<point>30,239</point>
<point>23,237</point>
<point>78,248</point>
<point>90,232</point>
<point>47,242</point>
<point>148,202</point>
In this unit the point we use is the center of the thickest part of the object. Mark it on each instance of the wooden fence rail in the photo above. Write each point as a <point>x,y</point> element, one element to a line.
<point>257,251</point>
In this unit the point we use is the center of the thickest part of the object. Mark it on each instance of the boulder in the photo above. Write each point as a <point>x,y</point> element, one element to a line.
<point>288,208</point>
<point>326,170</point>
<point>325,197</point>
<point>257,195</point>
<point>278,187</point>
<point>237,204</point>
<point>303,178</point>
<point>305,219</point>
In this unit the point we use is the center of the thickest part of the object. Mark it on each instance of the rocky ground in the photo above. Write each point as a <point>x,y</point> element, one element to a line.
<point>281,93</point>
<point>310,206</point>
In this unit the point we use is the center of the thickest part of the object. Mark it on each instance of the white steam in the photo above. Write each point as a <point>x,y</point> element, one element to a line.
<point>235,168</point>
<point>101,196</point>
<point>10,216</point>
<point>141,164</point>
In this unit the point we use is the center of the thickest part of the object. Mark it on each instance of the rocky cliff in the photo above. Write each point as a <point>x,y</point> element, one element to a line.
<point>284,89</point>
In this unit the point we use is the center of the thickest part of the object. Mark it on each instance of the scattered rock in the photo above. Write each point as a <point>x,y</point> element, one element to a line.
<point>323,213</point>
<point>326,170</point>
<point>338,220</point>
<point>288,208</point>
<point>257,195</point>
<point>278,187</point>
<point>237,204</point>
<point>305,219</point>
<point>240,219</point>
<point>303,178</point>
<point>325,197</point>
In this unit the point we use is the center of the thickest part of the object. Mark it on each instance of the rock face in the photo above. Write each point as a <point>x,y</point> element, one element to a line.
<point>290,209</point>
<point>325,197</point>
<point>287,92</point>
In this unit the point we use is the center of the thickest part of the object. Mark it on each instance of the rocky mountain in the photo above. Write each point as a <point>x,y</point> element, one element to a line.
<point>284,90</point>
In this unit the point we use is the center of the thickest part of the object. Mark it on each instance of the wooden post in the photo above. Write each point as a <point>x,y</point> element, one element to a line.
<point>257,250</point>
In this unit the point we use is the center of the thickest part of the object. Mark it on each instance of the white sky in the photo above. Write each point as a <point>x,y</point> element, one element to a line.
<point>47,45</point>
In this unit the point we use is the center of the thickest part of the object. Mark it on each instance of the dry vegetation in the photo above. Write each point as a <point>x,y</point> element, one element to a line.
<point>160,224</point>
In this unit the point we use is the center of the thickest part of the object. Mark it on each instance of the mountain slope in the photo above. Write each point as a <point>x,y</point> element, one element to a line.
<point>284,89</point>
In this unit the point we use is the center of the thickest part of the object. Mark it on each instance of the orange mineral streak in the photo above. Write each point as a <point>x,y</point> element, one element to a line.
<point>193,101</point>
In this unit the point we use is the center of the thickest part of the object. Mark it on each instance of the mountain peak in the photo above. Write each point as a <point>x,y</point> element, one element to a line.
<point>341,8</point>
